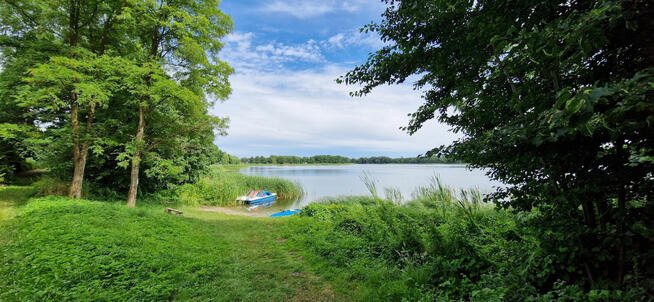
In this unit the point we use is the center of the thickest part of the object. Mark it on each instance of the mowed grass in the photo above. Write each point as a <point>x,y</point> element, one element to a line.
<point>58,249</point>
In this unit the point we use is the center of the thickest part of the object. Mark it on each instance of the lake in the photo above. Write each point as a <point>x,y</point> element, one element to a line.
<point>337,180</point>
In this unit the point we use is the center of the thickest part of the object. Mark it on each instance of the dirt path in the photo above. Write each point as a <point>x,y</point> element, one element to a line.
<point>230,211</point>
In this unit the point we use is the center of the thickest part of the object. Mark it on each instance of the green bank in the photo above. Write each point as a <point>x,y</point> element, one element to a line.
<point>441,246</point>
<point>57,249</point>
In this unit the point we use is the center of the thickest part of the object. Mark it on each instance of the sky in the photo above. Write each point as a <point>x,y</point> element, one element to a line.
<point>286,55</point>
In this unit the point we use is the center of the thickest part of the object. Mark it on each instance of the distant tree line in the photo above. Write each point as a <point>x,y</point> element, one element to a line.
<point>337,159</point>
<point>227,159</point>
<point>403,160</point>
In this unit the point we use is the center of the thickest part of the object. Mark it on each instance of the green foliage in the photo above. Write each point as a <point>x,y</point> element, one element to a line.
<point>555,98</point>
<point>443,246</point>
<point>48,185</point>
<point>16,194</point>
<point>422,251</point>
<point>105,251</point>
<point>99,62</point>
<point>19,145</point>
<point>221,187</point>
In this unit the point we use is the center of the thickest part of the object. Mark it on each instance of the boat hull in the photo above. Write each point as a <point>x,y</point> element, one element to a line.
<point>262,200</point>
<point>286,213</point>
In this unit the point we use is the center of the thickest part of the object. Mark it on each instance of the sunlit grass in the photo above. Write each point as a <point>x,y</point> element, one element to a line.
<point>59,249</point>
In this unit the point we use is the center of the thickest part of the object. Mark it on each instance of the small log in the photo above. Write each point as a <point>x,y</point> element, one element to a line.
<point>173,211</point>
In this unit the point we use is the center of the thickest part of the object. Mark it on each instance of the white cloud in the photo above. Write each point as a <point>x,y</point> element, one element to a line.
<point>304,9</point>
<point>292,112</point>
<point>308,51</point>
<point>240,52</point>
<point>353,38</point>
<point>300,10</point>
<point>278,110</point>
<point>336,40</point>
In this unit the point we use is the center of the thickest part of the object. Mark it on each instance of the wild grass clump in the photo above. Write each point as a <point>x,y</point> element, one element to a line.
<point>18,194</point>
<point>417,252</point>
<point>221,187</point>
<point>363,200</point>
<point>443,245</point>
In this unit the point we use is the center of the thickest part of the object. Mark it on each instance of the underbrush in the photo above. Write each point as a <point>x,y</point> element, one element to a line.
<point>222,186</point>
<point>219,187</point>
<point>48,185</point>
<point>442,246</point>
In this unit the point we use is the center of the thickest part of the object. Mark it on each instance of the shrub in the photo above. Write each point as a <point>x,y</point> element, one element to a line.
<point>441,246</point>
<point>48,185</point>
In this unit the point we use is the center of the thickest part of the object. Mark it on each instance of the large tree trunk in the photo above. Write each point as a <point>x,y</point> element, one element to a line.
<point>78,173</point>
<point>136,159</point>
<point>80,149</point>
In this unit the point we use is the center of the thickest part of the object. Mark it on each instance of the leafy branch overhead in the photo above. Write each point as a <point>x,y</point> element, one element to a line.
<point>554,98</point>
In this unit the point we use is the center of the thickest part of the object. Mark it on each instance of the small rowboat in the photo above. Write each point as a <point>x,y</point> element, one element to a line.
<point>258,197</point>
<point>285,213</point>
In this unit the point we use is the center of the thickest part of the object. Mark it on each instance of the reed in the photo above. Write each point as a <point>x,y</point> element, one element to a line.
<point>371,183</point>
<point>393,195</point>
<point>221,186</point>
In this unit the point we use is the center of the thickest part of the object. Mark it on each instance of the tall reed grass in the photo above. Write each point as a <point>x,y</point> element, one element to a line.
<point>435,195</point>
<point>221,186</point>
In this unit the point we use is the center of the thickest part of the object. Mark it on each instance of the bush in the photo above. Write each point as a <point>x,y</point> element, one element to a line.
<point>441,246</point>
<point>443,249</point>
<point>48,185</point>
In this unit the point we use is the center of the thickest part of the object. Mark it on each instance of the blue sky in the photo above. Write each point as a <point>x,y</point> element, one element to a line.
<point>287,54</point>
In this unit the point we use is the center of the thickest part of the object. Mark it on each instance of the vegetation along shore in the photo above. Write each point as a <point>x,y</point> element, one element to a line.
<point>112,114</point>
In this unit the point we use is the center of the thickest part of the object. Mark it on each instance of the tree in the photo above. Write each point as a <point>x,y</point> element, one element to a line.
<point>225,159</point>
<point>556,98</point>
<point>184,37</point>
<point>63,28</point>
<point>164,56</point>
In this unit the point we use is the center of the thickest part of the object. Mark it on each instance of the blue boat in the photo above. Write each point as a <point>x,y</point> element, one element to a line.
<point>286,213</point>
<point>258,197</point>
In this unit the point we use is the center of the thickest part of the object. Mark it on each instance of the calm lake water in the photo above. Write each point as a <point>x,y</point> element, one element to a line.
<point>338,180</point>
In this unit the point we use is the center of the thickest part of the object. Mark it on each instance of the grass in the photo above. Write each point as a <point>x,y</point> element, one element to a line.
<point>348,248</point>
<point>13,195</point>
<point>223,184</point>
<point>369,248</point>
<point>57,249</point>
<point>443,245</point>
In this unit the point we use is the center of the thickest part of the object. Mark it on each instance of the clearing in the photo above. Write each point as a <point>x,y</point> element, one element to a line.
<point>55,248</point>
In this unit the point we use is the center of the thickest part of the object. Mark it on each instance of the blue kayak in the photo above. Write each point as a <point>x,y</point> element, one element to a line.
<point>286,213</point>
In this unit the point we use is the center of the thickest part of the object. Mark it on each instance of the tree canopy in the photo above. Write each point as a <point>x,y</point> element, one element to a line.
<point>556,98</point>
<point>118,83</point>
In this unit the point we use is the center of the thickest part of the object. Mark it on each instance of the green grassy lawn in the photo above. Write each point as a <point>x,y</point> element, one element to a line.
<point>57,249</point>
